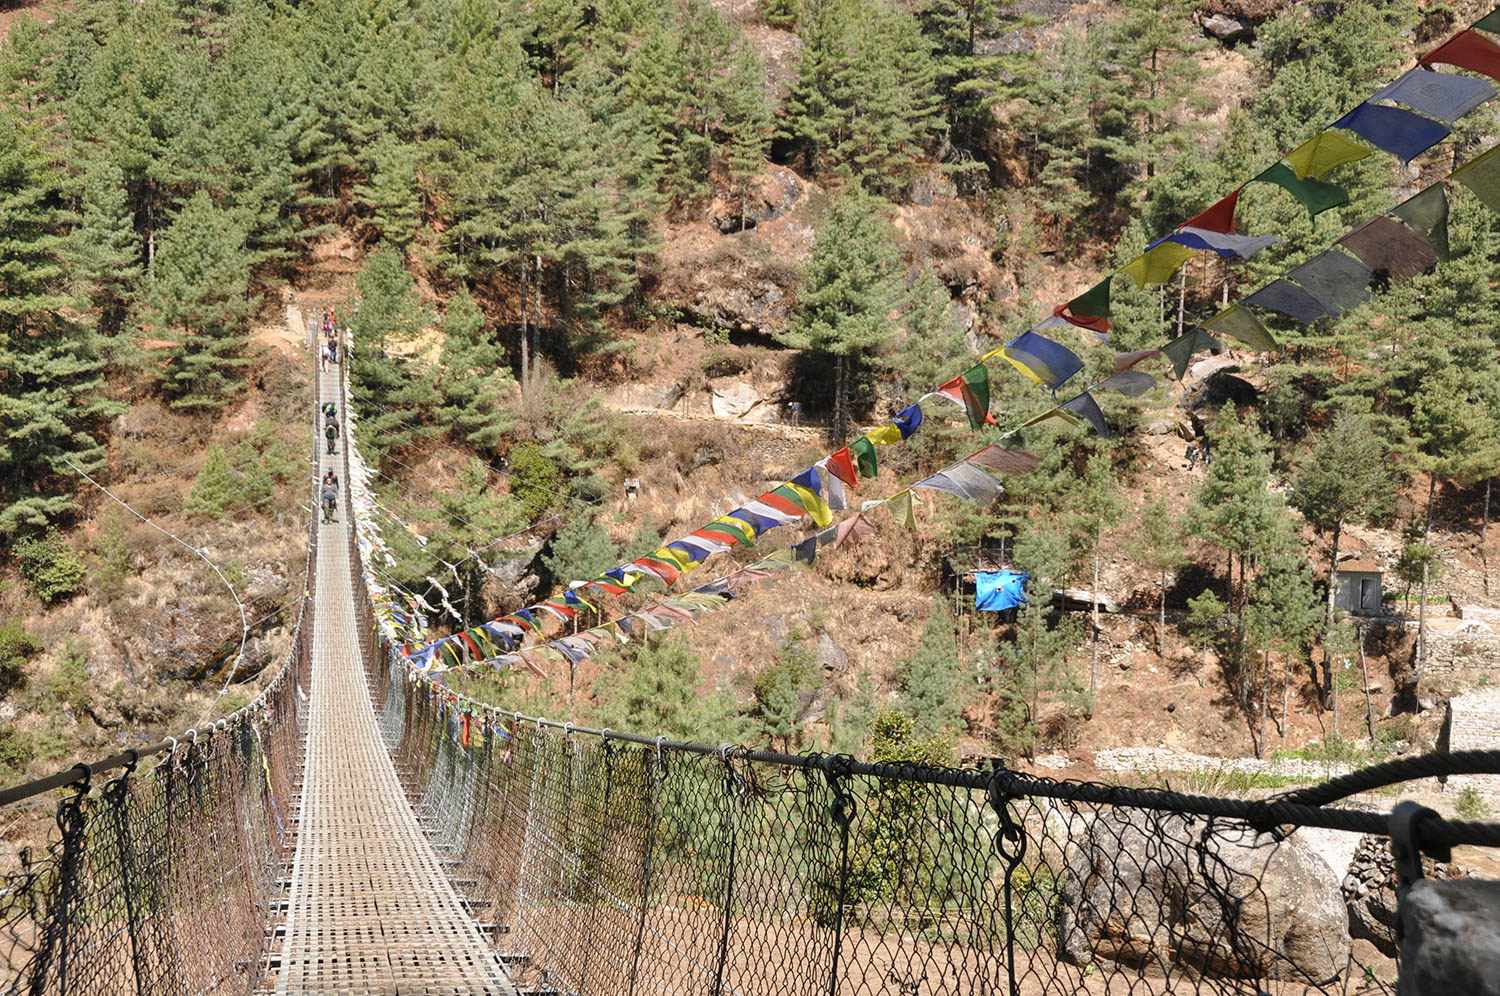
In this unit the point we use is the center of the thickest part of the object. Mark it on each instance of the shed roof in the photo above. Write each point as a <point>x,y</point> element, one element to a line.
<point>1360,567</point>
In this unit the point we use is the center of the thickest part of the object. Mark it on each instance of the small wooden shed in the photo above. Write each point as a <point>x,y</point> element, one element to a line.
<point>1357,588</point>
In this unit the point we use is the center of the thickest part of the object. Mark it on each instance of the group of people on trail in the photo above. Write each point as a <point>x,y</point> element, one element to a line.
<point>329,351</point>
<point>330,489</point>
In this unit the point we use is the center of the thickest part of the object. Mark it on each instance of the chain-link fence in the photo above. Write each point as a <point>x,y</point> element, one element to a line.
<point>615,864</point>
<point>165,863</point>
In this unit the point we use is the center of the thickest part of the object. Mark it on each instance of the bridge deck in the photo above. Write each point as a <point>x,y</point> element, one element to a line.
<point>370,909</point>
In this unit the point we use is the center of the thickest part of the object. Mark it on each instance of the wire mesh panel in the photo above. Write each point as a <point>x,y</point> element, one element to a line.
<point>615,864</point>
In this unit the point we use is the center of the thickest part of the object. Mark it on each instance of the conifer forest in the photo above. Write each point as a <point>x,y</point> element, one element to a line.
<point>1082,384</point>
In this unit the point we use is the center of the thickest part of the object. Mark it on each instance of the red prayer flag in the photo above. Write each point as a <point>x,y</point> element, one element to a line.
<point>1468,50</point>
<point>715,537</point>
<point>1218,218</point>
<point>468,640</point>
<point>1093,324</point>
<point>667,572</point>
<point>841,465</point>
<point>782,504</point>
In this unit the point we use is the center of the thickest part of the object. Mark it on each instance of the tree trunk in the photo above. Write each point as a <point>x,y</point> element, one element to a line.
<point>1181,297</point>
<point>1484,528</point>
<point>1333,564</point>
<point>525,331</point>
<point>1286,700</point>
<point>840,389</point>
<point>1364,673</point>
<point>1094,642</point>
<point>536,322</point>
<point>1422,592</point>
<point>1161,615</point>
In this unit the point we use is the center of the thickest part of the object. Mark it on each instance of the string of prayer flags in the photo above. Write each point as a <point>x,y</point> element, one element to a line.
<point>1444,97</point>
<point>1339,281</point>
<point>1390,249</point>
<point>1467,50</point>
<point>1039,359</point>
<point>971,389</point>
<point>1180,350</point>
<point>902,510</point>
<point>1288,299</point>
<point>885,435</point>
<point>1315,195</point>
<point>963,480</point>
<point>1426,213</point>
<point>1158,264</point>
<point>1400,132</point>
<point>1090,310</point>
<point>1482,175</point>
<point>1237,322</point>
<point>1322,153</point>
<point>1124,361</point>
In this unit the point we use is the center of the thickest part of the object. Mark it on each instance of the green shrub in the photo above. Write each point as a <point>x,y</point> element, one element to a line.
<point>69,683</point>
<point>49,566</point>
<point>229,480</point>
<point>534,480</point>
<point>725,361</point>
<point>17,647</point>
<point>1470,805</point>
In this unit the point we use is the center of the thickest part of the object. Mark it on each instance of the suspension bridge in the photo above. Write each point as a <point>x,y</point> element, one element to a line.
<point>355,831</point>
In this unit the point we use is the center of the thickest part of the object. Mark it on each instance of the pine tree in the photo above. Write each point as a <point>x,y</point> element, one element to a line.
<point>968,80</point>
<point>197,296</point>
<point>394,395</point>
<point>471,515</point>
<point>783,691</point>
<point>580,550</point>
<point>849,289</point>
<point>51,401</point>
<point>747,125</point>
<point>1095,506</point>
<point>477,387</point>
<point>1157,544</point>
<point>1035,662</point>
<point>1282,615</point>
<point>657,689</point>
<point>391,196</point>
<point>932,691</point>
<point>104,252</point>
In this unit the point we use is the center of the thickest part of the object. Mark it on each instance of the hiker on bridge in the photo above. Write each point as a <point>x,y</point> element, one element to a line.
<point>330,498</point>
<point>330,480</point>
<point>331,433</point>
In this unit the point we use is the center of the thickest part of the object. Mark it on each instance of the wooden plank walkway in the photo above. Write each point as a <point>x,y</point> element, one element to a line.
<point>370,910</point>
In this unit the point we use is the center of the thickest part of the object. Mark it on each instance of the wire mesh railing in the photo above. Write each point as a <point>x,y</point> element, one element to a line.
<point>165,862</point>
<point>612,863</point>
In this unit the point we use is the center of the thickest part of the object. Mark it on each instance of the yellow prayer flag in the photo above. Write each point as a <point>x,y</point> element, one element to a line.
<point>1158,265</point>
<point>992,354</point>
<point>1314,158</point>
<point>902,510</point>
<point>814,504</point>
<point>671,556</point>
<point>885,435</point>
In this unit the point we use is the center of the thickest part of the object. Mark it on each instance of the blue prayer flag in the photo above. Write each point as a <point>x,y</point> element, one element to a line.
<point>1041,359</point>
<point>1401,133</point>
<point>908,420</point>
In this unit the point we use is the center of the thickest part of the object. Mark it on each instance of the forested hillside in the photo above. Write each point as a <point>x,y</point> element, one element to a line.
<point>611,269</point>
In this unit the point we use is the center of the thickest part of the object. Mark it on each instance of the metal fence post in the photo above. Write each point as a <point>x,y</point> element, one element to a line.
<point>836,770</point>
<point>731,785</point>
<point>653,802</point>
<point>1010,844</point>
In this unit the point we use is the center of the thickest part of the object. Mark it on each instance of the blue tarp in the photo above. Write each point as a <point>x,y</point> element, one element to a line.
<point>996,591</point>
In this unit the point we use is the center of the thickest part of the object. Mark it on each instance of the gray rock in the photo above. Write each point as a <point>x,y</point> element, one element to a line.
<point>1159,427</point>
<point>831,657</point>
<point>1450,939</point>
<point>1227,29</point>
<point>733,398</point>
<point>1227,904</point>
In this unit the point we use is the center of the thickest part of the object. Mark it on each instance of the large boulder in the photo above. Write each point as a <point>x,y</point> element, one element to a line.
<point>1370,891</point>
<point>1177,895</point>
<point>1450,939</point>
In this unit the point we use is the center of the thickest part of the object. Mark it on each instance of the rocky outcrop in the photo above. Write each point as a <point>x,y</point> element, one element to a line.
<point>1226,903</point>
<point>1227,29</point>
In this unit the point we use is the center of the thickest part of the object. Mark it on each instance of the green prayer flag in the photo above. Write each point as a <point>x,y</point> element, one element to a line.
<point>1482,176</point>
<point>977,395</point>
<point>1239,323</point>
<point>1094,302</point>
<point>863,452</point>
<point>1180,350</point>
<point>1315,195</point>
<point>1489,22</point>
<point>1427,213</point>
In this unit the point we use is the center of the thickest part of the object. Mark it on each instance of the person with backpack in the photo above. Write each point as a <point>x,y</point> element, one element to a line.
<point>331,433</point>
<point>330,501</point>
